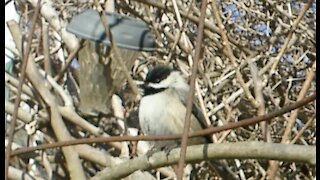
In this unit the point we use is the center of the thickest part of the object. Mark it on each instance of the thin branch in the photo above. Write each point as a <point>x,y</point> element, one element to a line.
<point>45,42</point>
<point>68,62</point>
<point>21,82</point>
<point>310,76</point>
<point>302,130</point>
<point>258,88</point>
<point>197,57</point>
<point>182,28</point>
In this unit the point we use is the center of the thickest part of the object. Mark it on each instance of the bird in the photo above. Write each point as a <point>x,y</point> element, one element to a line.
<point>162,110</point>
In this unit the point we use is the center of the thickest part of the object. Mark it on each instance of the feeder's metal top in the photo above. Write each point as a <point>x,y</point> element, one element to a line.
<point>127,32</point>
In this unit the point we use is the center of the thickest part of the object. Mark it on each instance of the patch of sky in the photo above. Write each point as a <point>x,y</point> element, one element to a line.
<point>300,74</point>
<point>288,58</point>
<point>255,42</point>
<point>314,7</point>
<point>234,12</point>
<point>273,50</point>
<point>299,123</point>
<point>276,48</point>
<point>307,60</point>
<point>262,28</point>
<point>296,6</point>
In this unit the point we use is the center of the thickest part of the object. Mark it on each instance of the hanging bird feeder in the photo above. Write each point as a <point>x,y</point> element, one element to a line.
<point>128,33</point>
<point>99,81</point>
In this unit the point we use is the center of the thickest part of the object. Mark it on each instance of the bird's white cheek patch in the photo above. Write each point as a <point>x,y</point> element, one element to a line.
<point>157,86</point>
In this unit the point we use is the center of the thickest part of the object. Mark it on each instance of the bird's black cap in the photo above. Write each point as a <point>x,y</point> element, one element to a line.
<point>158,74</point>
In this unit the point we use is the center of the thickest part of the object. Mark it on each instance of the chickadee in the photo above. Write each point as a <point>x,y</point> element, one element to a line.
<point>163,106</point>
<point>162,111</point>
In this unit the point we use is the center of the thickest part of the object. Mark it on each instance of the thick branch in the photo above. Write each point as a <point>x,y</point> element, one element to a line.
<point>242,150</point>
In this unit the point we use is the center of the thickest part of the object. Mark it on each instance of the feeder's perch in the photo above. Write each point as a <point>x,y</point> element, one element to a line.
<point>100,80</point>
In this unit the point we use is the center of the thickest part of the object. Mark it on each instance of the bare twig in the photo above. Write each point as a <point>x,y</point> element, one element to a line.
<point>181,31</point>
<point>302,130</point>
<point>21,82</point>
<point>45,42</point>
<point>57,124</point>
<point>68,62</point>
<point>258,87</point>
<point>252,37</point>
<point>194,19</point>
<point>311,75</point>
<point>197,57</point>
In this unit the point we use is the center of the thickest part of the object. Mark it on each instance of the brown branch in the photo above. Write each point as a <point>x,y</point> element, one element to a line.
<point>68,62</point>
<point>45,42</point>
<point>311,75</point>
<point>302,130</point>
<point>21,82</point>
<point>85,151</point>
<point>197,57</point>
<point>73,117</point>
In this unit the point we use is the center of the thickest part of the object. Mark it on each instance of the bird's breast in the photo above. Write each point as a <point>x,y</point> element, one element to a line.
<point>162,114</point>
<point>151,111</point>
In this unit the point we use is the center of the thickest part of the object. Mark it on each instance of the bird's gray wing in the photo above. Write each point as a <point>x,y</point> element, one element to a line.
<point>176,123</point>
<point>197,113</point>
